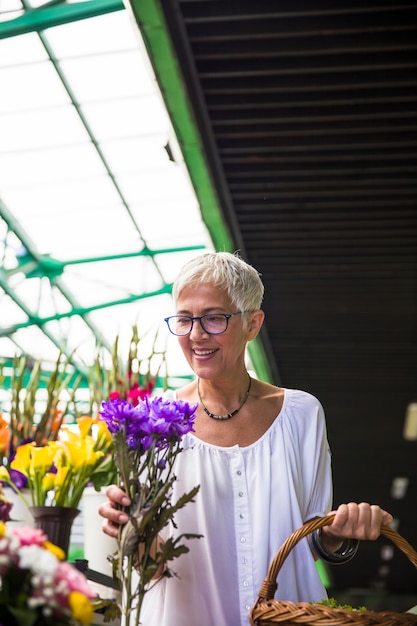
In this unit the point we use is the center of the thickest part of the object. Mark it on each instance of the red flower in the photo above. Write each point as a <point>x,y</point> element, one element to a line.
<point>134,394</point>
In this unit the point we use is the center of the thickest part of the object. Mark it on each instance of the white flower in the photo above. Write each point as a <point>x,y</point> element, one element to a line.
<point>39,560</point>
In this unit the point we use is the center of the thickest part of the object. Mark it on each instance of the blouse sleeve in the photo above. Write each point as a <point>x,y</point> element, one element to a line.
<point>314,456</point>
<point>321,488</point>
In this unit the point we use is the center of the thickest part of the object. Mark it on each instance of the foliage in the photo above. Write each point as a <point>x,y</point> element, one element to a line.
<point>333,604</point>
<point>27,382</point>
<point>147,440</point>
<point>132,380</point>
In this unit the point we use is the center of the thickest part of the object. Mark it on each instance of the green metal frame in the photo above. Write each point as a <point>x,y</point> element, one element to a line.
<point>151,23</point>
<point>150,20</point>
<point>55,14</point>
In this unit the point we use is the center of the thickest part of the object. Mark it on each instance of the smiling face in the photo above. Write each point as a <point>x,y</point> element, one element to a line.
<point>215,356</point>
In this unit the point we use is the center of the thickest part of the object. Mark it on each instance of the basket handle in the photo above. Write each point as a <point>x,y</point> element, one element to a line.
<point>269,585</point>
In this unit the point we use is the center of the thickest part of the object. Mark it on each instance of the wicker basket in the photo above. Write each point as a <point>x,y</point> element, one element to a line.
<point>268,612</point>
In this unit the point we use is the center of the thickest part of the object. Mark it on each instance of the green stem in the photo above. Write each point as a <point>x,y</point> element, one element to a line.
<point>16,490</point>
<point>127,585</point>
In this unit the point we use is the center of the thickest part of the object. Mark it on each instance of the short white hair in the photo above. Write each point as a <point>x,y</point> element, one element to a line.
<point>226,271</point>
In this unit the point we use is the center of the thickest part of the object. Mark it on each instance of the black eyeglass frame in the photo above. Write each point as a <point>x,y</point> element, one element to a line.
<point>199,318</point>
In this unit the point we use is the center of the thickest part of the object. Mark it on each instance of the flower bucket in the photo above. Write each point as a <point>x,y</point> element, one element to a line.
<point>97,545</point>
<point>56,522</point>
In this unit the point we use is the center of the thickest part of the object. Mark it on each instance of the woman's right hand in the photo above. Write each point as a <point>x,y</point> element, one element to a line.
<point>113,517</point>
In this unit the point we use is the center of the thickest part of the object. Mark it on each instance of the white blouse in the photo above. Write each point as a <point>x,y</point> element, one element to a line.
<point>250,500</point>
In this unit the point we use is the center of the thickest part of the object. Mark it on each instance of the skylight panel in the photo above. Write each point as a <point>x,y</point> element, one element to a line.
<point>98,35</point>
<point>29,87</point>
<point>107,76</point>
<point>41,128</point>
<point>15,51</point>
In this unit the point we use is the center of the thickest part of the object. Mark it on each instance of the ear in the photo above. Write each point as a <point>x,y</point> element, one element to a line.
<point>255,321</point>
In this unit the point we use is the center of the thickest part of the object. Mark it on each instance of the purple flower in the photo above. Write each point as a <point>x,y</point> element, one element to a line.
<point>152,420</point>
<point>165,419</point>
<point>116,413</point>
<point>5,508</point>
<point>18,479</point>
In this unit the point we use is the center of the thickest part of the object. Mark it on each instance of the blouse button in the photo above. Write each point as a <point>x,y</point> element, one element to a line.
<point>239,473</point>
<point>240,494</point>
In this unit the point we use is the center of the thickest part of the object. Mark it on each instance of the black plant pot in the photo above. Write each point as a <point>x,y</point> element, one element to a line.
<point>56,522</point>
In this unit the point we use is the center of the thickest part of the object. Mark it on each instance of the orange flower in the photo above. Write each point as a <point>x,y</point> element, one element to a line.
<point>4,436</point>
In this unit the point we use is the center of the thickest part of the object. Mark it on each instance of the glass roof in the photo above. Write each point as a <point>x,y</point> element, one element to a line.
<point>97,210</point>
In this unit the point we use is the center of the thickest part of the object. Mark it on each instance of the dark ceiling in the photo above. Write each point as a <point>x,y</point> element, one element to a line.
<point>308,116</point>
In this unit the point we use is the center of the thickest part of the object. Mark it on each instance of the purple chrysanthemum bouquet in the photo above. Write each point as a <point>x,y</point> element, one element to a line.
<point>147,439</point>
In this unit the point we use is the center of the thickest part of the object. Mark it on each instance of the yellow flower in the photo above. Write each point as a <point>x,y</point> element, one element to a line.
<point>55,550</point>
<point>82,453</point>
<point>42,458</point>
<point>4,473</point>
<point>60,476</point>
<point>2,529</point>
<point>84,424</point>
<point>104,439</point>
<point>21,461</point>
<point>48,482</point>
<point>81,608</point>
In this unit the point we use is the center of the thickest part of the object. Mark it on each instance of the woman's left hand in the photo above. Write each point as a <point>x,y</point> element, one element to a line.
<point>355,521</point>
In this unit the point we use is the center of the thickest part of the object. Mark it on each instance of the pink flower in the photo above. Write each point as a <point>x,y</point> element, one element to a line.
<point>30,536</point>
<point>75,580</point>
<point>137,393</point>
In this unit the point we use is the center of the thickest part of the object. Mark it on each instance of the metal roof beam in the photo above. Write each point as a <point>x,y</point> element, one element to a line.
<point>50,267</point>
<point>213,200</point>
<point>34,320</point>
<point>28,244</point>
<point>7,331</point>
<point>47,17</point>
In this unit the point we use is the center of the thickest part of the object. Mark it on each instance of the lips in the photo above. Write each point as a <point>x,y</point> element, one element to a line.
<point>203,352</point>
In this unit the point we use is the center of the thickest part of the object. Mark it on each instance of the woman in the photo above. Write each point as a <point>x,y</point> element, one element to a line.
<point>260,455</point>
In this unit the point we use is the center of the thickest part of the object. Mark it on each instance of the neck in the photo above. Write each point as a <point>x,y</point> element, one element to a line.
<point>227,415</point>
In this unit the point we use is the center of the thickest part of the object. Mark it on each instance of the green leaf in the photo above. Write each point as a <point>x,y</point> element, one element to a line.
<point>24,617</point>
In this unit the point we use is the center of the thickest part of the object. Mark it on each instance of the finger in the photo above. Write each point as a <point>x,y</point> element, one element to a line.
<point>345,516</point>
<point>387,518</point>
<point>364,521</point>
<point>369,521</point>
<point>117,495</point>
<point>110,529</point>
<point>109,511</point>
<point>357,521</point>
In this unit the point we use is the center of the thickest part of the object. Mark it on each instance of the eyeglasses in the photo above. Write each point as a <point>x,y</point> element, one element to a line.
<point>212,323</point>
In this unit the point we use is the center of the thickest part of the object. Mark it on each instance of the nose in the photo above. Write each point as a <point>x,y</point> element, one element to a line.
<point>197,330</point>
